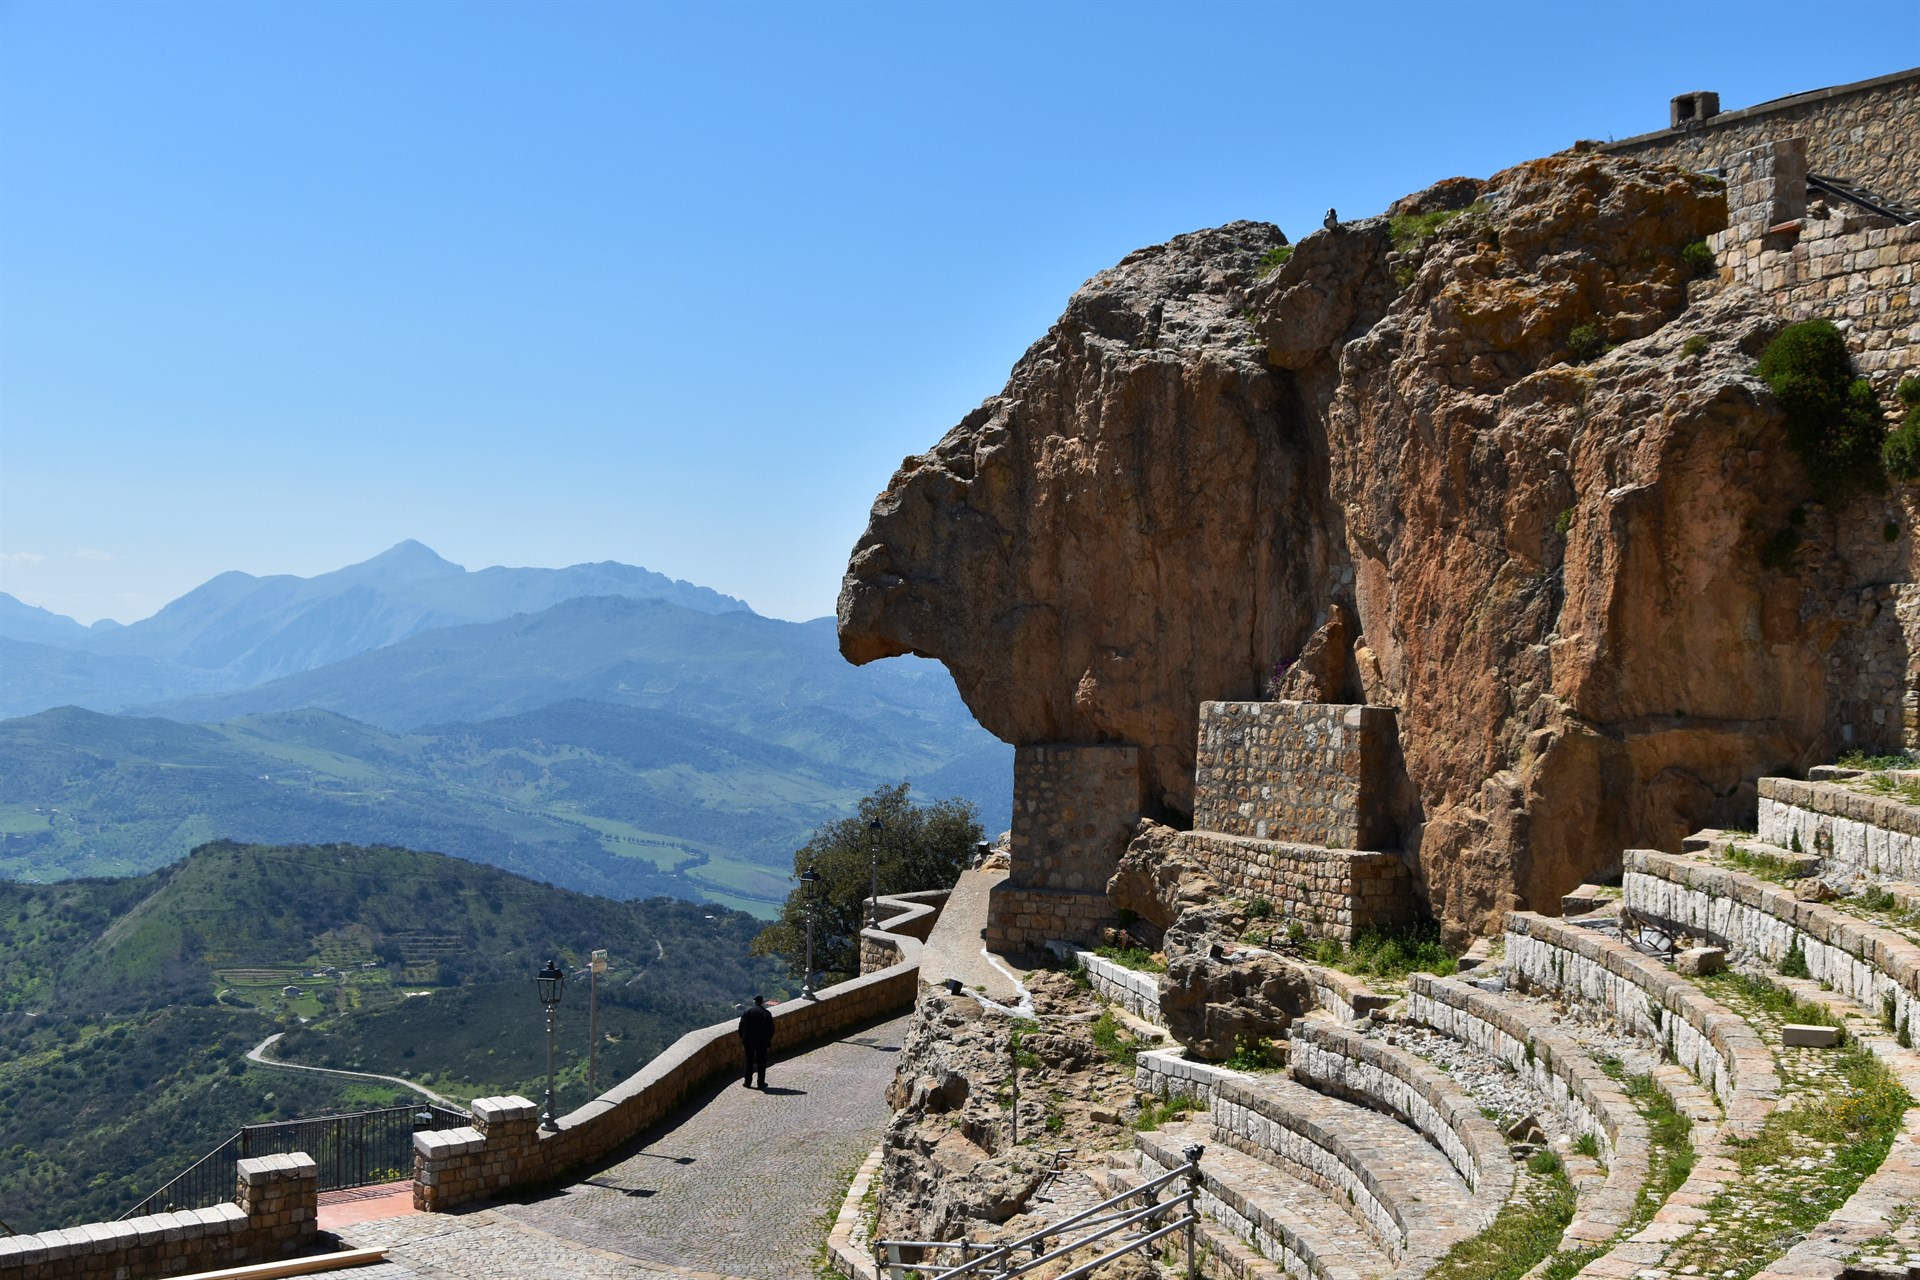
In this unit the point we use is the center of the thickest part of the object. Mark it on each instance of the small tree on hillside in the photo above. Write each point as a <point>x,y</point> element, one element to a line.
<point>921,847</point>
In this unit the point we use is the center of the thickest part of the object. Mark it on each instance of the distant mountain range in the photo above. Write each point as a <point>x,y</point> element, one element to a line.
<point>600,727</point>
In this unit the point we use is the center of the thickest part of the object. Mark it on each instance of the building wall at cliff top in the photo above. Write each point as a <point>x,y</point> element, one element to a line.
<point>1867,132</point>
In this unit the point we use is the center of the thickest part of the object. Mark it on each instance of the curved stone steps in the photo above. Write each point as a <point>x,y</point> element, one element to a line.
<point>1386,1175</point>
<point>1292,1223</point>
<point>1555,1062</point>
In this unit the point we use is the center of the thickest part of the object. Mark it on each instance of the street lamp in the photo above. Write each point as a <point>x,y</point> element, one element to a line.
<point>808,879</point>
<point>873,844</point>
<point>595,967</point>
<point>549,983</point>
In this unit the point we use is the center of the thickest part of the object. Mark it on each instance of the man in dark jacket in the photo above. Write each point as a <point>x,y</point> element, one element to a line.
<point>756,1036</point>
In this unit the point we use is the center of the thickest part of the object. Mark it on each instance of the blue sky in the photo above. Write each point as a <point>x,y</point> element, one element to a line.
<point>679,285</point>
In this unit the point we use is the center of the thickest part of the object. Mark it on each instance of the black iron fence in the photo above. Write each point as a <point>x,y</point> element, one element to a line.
<point>356,1149</point>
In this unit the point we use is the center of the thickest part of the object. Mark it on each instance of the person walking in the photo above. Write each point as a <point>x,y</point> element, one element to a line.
<point>756,1037</point>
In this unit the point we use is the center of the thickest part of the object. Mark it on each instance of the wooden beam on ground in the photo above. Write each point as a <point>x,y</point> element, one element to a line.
<point>294,1266</point>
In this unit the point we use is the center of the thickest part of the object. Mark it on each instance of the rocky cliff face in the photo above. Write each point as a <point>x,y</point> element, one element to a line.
<point>1383,459</point>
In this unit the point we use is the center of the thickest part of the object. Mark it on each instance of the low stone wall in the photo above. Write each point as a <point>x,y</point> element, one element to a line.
<point>880,947</point>
<point>1308,772</point>
<point>1853,833</point>
<point>1169,1073</point>
<point>1875,968</point>
<point>502,1149</point>
<point>1331,893</point>
<point>1587,1100</point>
<point>274,1215</point>
<point>1136,992</point>
<point>1642,997</point>
<point>1260,1124</point>
<point>1336,1061</point>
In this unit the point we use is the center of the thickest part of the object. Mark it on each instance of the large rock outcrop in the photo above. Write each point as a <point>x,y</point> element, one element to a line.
<point>1387,458</point>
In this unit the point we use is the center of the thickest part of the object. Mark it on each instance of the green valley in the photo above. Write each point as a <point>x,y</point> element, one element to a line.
<point>127,1006</point>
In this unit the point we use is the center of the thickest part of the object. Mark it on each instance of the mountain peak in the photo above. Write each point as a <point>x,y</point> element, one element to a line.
<point>411,558</point>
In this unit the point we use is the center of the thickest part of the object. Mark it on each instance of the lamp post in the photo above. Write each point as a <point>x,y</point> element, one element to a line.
<point>550,981</point>
<point>873,846</point>
<point>595,967</point>
<point>808,879</point>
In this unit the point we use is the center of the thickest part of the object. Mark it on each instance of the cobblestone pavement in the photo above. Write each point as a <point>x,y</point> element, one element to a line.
<point>742,1184</point>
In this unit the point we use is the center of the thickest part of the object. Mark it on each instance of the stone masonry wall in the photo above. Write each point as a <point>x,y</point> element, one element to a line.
<point>1331,893</point>
<point>1643,998</point>
<point>1022,919</point>
<point>1304,772</point>
<point>1074,810</point>
<point>1867,132</point>
<point>1854,833</point>
<point>1875,968</point>
<point>274,1215</point>
<point>1823,258</point>
<point>1133,990</point>
<point>504,1148</point>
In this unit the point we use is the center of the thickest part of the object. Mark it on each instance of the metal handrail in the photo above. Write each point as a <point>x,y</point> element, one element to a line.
<point>1109,1217</point>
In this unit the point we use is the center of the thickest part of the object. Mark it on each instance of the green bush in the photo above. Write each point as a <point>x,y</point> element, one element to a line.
<point>1695,347</point>
<point>1901,452</point>
<point>1563,522</point>
<point>1274,259</point>
<point>1833,420</point>
<point>1584,343</point>
<point>1699,258</point>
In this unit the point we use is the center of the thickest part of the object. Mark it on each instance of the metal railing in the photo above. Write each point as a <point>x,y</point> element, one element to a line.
<point>1139,1227</point>
<point>355,1149</point>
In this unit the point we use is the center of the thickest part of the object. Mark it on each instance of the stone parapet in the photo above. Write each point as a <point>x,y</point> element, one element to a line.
<point>913,917</point>
<point>1330,893</point>
<point>1587,1100</point>
<point>274,1215</point>
<point>1852,833</point>
<point>1643,998</point>
<point>504,1148</point>
<point>1867,132</point>
<point>1133,990</point>
<point>1303,772</point>
<point>1875,968</point>
<point>1336,1061</point>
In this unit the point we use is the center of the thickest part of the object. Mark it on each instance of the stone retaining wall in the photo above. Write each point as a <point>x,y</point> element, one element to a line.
<point>1261,1125</point>
<point>1822,258</point>
<point>1331,893</point>
<point>1875,968</point>
<point>1169,1073</point>
<point>1024,919</point>
<point>274,1215</point>
<point>1136,992</point>
<point>1642,997</point>
<point>502,1149</point>
<point>1867,132</point>
<point>1339,1062</point>
<point>1587,1100</point>
<point>1854,833</point>
<point>1306,772</point>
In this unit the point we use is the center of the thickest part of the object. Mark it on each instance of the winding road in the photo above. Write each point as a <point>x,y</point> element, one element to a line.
<point>259,1054</point>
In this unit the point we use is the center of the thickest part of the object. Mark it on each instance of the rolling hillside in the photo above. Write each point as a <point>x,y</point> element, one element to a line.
<point>126,1006</point>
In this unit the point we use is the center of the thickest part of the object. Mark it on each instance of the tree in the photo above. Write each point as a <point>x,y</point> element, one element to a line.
<point>921,847</point>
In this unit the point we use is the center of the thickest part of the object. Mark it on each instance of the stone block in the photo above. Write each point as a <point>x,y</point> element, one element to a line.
<point>1699,961</point>
<point>1796,1036</point>
<point>1584,900</point>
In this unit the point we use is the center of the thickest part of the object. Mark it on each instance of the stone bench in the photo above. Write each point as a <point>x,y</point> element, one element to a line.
<point>1643,998</point>
<point>1586,1098</point>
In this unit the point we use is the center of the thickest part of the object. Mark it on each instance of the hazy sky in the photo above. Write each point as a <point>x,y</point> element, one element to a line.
<point>282,284</point>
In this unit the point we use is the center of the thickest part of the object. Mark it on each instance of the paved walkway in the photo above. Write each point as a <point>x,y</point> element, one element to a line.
<point>743,1185</point>
<point>955,949</point>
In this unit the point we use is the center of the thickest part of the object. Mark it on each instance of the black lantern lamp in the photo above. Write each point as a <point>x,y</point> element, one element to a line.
<point>809,879</point>
<point>873,845</point>
<point>550,982</point>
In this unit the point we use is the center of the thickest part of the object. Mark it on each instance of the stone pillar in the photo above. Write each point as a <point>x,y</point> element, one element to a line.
<point>281,1197</point>
<point>500,1148</point>
<point>1074,809</point>
<point>1307,772</point>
